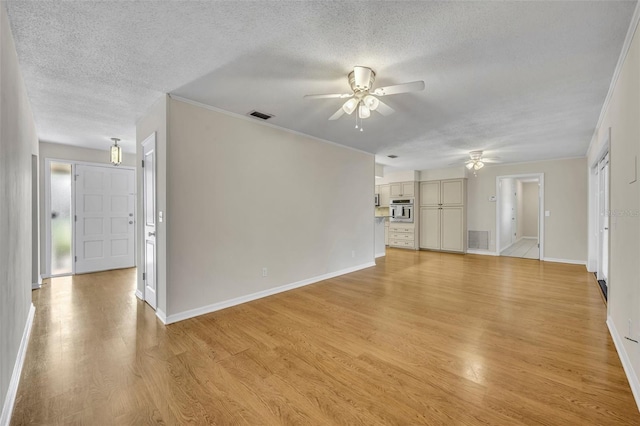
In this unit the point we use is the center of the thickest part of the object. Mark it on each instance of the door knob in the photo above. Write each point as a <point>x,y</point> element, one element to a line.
<point>152,234</point>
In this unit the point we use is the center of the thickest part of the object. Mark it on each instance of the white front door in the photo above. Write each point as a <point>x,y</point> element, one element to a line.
<point>104,218</point>
<point>149,214</point>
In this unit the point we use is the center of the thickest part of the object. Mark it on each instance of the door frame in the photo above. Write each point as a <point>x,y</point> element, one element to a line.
<point>47,209</point>
<point>540,177</point>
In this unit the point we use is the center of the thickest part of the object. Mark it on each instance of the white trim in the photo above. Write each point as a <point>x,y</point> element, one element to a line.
<point>253,296</point>
<point>573,262</point>
<point>527,238</point>
<point>10,399</point>
<point>35,286</point>
<point>633,26</point>
<point>139,294</point>
<point>626,362</point>
<point>263,123</point>
<point>482,252</point>
<point>377,255</point>
<point>161,315</point>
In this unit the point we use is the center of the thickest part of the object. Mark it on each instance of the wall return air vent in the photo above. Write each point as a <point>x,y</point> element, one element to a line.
<point>260,115</point>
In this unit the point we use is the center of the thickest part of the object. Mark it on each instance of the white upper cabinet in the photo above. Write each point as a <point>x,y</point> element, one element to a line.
<point>402,189</point>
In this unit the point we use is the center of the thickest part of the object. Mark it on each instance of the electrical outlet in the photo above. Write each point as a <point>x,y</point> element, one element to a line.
<point>264,272</point>
<point>353,254</point>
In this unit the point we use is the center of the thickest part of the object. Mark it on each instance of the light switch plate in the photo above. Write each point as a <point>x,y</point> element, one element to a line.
<point>547,213</point>
<point>160,216</point>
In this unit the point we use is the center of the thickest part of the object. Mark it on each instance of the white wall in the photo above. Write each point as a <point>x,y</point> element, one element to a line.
<point>530,209</point>
<point>621,115</point>
<point>69,153</point>
<point>440,174</point>
<point>401,176</point>
<point>242,196</point>
<point>18,142</point>
<point>565,198</point>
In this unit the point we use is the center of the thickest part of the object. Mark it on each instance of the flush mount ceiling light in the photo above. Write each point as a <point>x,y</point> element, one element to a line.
<point>363,99</point>
<point>116,152</point>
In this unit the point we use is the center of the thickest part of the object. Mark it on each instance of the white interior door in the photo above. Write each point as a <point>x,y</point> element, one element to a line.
<point>104,218</point>
<point>149,214</point>
<point>514,214</point>
<point>603,203</point>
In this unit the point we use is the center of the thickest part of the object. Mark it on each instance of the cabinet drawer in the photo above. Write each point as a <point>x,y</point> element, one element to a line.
<point>396,228</point>
<point>401,243</point>
<point>401,236</point>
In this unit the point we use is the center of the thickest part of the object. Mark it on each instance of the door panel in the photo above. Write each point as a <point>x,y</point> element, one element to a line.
<point>430,228</point>
<point>104,225</point>
<point>452,192</point>
<point>429,193</point>
<point>452,226</point>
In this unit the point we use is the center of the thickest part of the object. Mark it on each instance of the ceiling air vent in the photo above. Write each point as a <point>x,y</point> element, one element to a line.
<point>260,115</point>
<point>392,156</point>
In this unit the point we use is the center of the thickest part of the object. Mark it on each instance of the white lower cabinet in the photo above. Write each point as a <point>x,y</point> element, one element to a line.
<point>402,235</point>
<point>442,228</point>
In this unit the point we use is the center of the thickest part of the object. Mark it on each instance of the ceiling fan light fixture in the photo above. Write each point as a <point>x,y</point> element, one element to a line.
<point>371,102</point>
<point>363,111</point>
<point>478,165</point>
<point>469,165</point>
<point>350,106</point>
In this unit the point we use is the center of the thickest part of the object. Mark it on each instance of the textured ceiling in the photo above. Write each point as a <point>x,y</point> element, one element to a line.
<point>521,80</point>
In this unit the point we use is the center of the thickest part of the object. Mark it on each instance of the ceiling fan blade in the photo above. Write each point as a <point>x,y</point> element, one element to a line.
<point>384,109</point>
<point>339,113</point>
<point>414,86</point>
<point>329,96</point>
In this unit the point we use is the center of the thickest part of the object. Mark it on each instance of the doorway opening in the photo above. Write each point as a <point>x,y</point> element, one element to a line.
<point>520,216</point>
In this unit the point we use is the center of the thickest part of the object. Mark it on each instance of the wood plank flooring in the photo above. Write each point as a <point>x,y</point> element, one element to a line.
<point>422,338</point>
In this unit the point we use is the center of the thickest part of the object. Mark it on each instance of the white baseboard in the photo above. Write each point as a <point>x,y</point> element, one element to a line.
<point>139,294</point>
<point>381,254</point>
<point>626,362</point>
<point>528,238</point>
<point>482,252</point>
<point>258,295</point>
<point>35,286</point>
<point>592,266</point>
<point>573,262</point>
<point>161,316</point>
<point>10,399</point>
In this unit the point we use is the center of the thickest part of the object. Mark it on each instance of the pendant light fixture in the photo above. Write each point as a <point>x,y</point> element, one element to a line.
<point>116,152</point>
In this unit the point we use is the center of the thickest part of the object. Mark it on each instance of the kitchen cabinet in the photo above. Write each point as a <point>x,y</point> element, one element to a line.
<point>443,222</point>
<point>385,195</point>
<point>402,235</point>
<point>450,192</point>
<point>402,189</point>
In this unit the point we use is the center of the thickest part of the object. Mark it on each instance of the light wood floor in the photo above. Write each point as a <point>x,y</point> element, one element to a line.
<point>422,338</point>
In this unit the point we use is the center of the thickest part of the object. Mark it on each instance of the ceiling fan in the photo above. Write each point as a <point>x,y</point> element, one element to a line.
<point>363,98</point>
<point>476,161</point>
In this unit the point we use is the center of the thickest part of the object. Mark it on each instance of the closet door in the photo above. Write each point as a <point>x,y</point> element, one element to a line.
<point>430,228</point>
<point>452,228</point>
